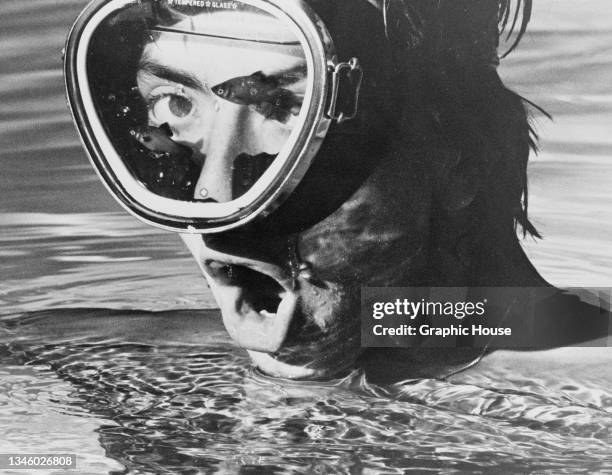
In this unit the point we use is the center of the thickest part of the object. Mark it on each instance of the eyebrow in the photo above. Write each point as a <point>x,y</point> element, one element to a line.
<point>170,74</point>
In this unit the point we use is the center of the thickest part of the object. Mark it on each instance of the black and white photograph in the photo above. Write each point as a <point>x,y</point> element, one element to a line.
<point>350,237</point>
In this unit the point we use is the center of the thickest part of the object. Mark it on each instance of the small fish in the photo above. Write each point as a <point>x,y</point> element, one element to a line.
<point>157,140</point>
<point>263,93</point>
<point>170,169</point>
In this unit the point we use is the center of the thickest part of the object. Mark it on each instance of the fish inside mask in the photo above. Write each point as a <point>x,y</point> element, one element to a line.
<point>171,169</point>
<point>264,93</point>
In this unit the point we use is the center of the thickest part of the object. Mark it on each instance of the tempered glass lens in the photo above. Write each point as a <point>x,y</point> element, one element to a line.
<point>199,98</point>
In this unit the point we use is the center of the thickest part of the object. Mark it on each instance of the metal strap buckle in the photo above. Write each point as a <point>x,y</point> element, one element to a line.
<point>354,74</point>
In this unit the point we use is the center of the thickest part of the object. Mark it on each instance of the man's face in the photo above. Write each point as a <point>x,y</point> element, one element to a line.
<point>225,98</point>
<point>292,300</point>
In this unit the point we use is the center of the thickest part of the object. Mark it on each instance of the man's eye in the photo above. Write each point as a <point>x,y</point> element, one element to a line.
<point>170,108</point>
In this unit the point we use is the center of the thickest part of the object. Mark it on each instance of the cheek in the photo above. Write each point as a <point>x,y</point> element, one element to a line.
<point>378,233</point>
<point>272,137</point>
<point>330,306</point>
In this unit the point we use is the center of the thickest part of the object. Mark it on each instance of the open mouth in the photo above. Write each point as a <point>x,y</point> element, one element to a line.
<point>257,308</point>
<point>262,292</point>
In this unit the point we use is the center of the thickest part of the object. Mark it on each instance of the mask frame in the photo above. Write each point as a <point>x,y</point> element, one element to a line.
<point>326,76</point>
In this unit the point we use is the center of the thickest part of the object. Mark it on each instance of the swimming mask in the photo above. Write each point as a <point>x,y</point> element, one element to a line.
<point>203,116</point>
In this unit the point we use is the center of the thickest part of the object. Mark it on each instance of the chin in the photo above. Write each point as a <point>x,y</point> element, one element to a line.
<point>271,366</point>
<point>313,354</point>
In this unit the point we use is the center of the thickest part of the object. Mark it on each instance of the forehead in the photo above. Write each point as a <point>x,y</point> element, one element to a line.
<point>217,46</point>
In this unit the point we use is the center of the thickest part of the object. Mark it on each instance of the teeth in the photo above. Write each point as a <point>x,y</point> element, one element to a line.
<point>265,313</point>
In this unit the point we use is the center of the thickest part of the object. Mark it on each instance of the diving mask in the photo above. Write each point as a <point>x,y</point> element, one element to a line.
<point>202,116</point>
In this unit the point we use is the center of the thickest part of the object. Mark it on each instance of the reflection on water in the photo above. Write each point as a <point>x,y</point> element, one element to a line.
<point>166,392</point>
<point>29,426</point>
<point>94,260</point>
<point>167,402</point>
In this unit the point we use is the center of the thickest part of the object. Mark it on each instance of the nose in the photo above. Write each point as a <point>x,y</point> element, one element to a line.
<point>231,134</point>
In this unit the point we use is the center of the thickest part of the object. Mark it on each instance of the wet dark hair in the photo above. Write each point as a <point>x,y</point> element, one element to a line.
<point>442,64</point>
<point>452,47</point>
<point>456,45</point>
